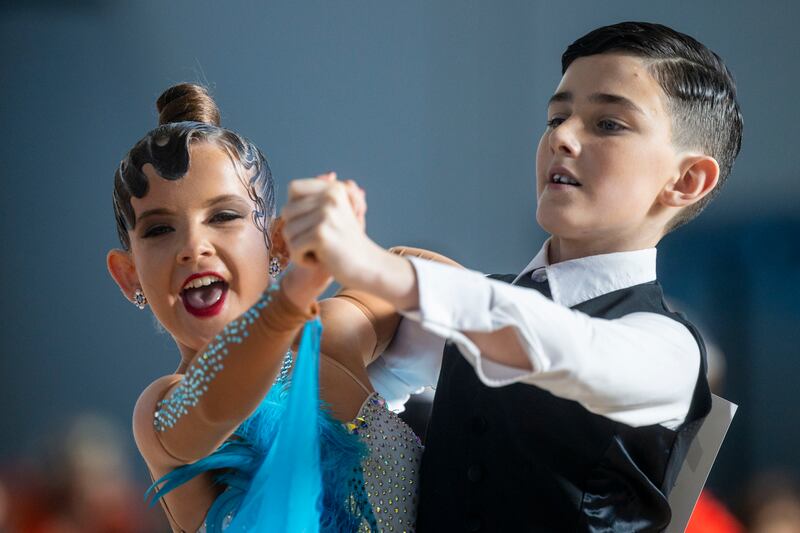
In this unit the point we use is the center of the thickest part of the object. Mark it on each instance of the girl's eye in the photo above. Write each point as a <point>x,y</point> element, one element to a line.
<point>155,231</point>
<point>610,125</point>
<point>225,216</point>
<point>554,122</point>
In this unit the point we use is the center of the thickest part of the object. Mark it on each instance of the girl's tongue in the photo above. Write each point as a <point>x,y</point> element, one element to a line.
<point>203,297</point>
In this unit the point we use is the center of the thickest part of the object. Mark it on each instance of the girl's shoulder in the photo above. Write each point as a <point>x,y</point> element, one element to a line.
<point>144,432</point>
<point>186,506</point>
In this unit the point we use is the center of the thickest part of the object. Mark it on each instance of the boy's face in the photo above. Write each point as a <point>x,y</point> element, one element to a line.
<point>609,135</point>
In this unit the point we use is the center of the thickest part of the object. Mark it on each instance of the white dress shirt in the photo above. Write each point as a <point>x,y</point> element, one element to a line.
<point>640,369</point>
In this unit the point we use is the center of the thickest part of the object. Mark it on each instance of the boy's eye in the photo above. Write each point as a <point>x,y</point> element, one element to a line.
<point>225,216</point>
<point>554,122</point>
<point>610,125</point>
<point>155,231</point>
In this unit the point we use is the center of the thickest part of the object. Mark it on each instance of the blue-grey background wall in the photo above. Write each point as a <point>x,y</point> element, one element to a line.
<point>435,107</point>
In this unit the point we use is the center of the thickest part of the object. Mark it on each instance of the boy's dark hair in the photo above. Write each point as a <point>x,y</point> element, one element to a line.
<point>701,93</point>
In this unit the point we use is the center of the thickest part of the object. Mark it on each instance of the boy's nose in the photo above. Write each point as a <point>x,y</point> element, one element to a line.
<point>563,140</point>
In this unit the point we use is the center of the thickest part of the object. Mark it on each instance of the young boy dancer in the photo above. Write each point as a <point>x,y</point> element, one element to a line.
<point>588,388</point>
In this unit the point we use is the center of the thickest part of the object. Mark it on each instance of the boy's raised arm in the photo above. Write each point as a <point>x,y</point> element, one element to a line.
<point>640,369</point>
<point>365,323</point>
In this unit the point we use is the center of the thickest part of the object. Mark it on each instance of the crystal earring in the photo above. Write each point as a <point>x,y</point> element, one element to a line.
<point>274,267</point>
<point>139,299</point>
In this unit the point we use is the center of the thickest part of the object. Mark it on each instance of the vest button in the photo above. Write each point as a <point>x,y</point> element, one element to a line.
<point>539,275</point>
<point>473,523</point>
<point>479,425</point>
<point>474,473</point>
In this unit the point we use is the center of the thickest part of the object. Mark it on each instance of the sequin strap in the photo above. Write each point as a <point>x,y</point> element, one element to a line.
<point>205,368</point>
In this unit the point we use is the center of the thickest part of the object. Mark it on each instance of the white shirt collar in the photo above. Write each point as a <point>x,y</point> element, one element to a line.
<point>578,280</point>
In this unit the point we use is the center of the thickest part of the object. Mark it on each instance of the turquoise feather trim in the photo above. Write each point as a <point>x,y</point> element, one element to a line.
<point>281,472</point>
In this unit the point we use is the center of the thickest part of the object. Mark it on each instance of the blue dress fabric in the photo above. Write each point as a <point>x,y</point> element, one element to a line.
<point>291,466</point>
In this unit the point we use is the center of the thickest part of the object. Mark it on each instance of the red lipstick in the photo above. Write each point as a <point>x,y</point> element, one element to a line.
<point>195,299</point>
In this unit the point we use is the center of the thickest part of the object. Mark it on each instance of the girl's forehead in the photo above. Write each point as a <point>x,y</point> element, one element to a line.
<point>211,174</point>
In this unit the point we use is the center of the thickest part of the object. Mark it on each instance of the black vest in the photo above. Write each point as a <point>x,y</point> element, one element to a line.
<point>518,458</point>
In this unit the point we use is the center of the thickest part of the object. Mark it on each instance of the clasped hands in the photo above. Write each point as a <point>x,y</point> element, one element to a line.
<point>325,233</point>
<point>324,230</point>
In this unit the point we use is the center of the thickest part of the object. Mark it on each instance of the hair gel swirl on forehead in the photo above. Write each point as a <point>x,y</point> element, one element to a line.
<point>167,149</point>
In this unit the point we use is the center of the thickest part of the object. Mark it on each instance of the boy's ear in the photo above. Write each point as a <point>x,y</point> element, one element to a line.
<point>279,248</point>
<point>699,176</point>
<point>122,269</point>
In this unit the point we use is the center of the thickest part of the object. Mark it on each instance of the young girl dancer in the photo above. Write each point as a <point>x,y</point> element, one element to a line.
<point>195,211</point>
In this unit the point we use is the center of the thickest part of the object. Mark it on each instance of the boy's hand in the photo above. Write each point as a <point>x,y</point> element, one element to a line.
<point>325,223</point>
<point>303,283</point>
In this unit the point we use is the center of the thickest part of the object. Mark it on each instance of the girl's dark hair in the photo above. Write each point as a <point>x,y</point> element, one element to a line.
<point>188,114</point>
<point>700,91</point>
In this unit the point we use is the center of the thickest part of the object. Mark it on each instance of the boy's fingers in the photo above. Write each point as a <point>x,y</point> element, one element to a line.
<point>301,206</point>
<point>300,225</point>
<point>305,186</point>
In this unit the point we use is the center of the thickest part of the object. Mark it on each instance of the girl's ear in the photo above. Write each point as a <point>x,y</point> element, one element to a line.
<point>279,248</point>
<point>122,269</point>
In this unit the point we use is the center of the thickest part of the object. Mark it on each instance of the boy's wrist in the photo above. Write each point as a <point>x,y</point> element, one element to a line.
<point>386,275</point>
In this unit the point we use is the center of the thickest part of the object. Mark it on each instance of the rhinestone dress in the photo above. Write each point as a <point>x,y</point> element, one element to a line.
<point>390,469</point>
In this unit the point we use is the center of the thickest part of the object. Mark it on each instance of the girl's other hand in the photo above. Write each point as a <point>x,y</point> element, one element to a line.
<point>305,281</point>
<point>304,284</point>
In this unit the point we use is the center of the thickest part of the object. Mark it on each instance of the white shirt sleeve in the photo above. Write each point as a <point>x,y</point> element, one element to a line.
<point>408,366</point>
<point>640,369</point>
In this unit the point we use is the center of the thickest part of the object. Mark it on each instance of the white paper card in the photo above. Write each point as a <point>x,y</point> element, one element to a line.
<point>699,459</point>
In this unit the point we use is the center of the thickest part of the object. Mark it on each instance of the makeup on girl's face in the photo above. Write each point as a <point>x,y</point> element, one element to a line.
<point>200,258</point>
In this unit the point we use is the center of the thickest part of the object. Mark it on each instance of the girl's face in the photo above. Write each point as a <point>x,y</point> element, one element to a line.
<point>199,257</point>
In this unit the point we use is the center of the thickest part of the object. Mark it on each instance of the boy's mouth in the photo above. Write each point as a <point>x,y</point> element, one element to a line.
<point>203,294</point>
<point>563,179</point>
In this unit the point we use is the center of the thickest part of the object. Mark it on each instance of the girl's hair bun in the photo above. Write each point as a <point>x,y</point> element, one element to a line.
<point>187,101</point>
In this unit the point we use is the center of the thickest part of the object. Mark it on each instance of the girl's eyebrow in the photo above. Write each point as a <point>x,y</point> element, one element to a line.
<point>223,198</point>
<point>154,212</point>
<point>209,203</point>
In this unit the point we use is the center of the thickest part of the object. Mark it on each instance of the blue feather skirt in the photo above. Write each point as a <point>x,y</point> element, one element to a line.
<point>290,466</point>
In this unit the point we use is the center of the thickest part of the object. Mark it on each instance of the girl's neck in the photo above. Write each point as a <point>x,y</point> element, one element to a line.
<point>187,354</point>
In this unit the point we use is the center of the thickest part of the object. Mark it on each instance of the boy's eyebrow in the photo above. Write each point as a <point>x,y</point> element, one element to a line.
<point>213,201</point>
<point>598,98</point>
<point>563,96</point>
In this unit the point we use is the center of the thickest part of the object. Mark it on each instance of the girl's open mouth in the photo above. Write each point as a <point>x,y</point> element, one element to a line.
<point>203,295</point>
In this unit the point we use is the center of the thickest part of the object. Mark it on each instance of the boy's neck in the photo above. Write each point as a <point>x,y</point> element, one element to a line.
<point>561,249</point>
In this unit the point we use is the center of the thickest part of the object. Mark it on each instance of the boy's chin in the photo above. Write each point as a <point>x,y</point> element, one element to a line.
<point>559,223</point>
